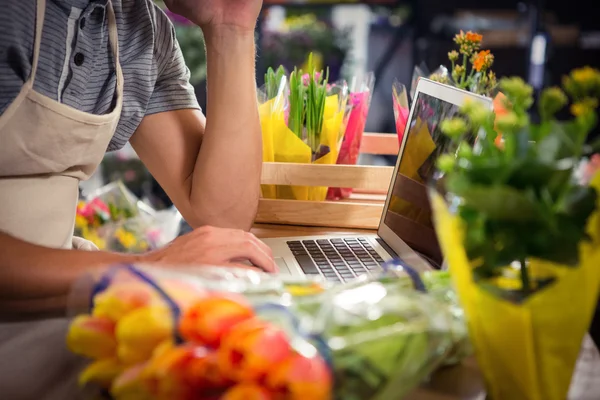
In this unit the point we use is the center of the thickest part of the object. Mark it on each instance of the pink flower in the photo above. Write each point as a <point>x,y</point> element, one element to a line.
<point>306,78</point>
<point>593,167</point>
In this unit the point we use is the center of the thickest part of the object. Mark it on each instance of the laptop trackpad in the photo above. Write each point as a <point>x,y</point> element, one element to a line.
<point>283,267</point>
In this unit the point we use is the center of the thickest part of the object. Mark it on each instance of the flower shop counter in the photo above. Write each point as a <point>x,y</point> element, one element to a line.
<point>460,382</point>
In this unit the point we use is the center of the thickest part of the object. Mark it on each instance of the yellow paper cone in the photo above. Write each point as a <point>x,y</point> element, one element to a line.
<point>268,118</point>
<point>331,135</point>
<point>290,148</point>
<point>526,351</point>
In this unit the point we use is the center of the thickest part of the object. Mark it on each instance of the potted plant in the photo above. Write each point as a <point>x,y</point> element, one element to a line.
<point>522,236</point>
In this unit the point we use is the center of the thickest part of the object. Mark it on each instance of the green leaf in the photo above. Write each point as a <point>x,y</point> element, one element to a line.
<point>557,144</point>
<point>579,204</point>
<point>500,202</point>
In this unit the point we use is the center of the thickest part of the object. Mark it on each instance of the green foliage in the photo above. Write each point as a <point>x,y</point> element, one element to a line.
<point>307,103</point>
<point>273,81</point>
<point>519,200</point>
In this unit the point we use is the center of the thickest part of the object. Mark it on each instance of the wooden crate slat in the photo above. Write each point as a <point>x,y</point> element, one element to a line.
<point>380,143</point>
<point>345,176</point>
<point>319,213</point>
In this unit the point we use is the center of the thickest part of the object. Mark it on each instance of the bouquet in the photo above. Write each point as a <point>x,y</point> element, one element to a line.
<point>303,120</point>
<point>218,333</point>
<point>522,236</point>
<point>360,101</point>
<point>114,219</point>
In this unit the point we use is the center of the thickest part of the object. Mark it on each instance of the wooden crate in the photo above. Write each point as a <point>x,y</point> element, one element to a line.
<point>362,210</point>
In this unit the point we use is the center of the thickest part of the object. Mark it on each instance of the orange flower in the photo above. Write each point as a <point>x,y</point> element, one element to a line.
<point>208,319</point>
<point>473,37</point>
<point>482,60</point>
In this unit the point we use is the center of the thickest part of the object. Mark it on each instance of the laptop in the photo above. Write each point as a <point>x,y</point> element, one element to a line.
<point>406,229</point>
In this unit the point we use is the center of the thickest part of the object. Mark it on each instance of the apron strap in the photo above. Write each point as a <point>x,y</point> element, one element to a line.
<point>39,26</point>
<point>114,45</point>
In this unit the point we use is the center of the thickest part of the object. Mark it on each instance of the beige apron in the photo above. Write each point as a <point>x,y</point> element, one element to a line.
<point>46,148</point>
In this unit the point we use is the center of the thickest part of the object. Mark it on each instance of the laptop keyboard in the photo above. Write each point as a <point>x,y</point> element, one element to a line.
<point>338,260</point>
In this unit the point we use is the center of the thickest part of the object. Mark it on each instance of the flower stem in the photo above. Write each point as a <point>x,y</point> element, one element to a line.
<point>525,277</point>
<point>462,78</point>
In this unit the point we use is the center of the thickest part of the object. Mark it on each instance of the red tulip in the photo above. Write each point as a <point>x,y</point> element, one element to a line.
<point>252,349</point>
<point>248,391</point>
<point>300,378</point>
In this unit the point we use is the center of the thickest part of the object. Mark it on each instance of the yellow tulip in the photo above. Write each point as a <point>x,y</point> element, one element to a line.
<point>92,337</point>
<point>141,331</point>
<point>101,372</point>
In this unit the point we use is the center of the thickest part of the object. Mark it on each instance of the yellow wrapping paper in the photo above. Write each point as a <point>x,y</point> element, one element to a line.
<point>280,144</point>
<point>526,351</point>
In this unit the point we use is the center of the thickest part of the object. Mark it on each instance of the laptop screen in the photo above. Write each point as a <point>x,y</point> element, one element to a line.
<point>408,213</point>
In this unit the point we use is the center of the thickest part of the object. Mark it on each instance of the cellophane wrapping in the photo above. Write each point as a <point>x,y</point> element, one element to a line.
<point>219,333</point>
<point>303,120</point>
<point>401,108</point>
<point>114,219</point>
<point>361,92</point>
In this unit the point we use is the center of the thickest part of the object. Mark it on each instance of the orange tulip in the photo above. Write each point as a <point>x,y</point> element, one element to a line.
<point>252,349</point>
<point>207,320</point>
<point>300,378</point>
<point>92,337</point>
<point>248,391</point>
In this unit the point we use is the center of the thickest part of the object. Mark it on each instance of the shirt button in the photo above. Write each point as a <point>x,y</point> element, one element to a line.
<point>82,23</point>
<point>78,59</point>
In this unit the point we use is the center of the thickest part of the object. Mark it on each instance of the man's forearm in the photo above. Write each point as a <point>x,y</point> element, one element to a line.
<point>36,280</point>
<point>226,178</point>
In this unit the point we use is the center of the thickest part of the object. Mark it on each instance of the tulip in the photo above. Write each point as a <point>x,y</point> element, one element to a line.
<point>130,385</point>
<point>92,337</point>
<point>141,331</point>
<point>181,372</point>
<point>248,391</point>
<point>102,372</point>
<point>203,371</point>
<point>207,320</point>
<point>299,378</point>
<point>252,349</point>
<point>122,298</point>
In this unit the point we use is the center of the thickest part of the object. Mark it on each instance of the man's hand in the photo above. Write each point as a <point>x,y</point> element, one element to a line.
<point>208,14</point>
<point>216,246</point>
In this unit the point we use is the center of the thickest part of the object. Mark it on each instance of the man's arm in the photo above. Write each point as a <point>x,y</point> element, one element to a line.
<point>36,280</point>
<point>211,168</point>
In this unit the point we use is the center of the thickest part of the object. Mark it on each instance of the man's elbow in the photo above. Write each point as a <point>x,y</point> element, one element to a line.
<point>239,217</point>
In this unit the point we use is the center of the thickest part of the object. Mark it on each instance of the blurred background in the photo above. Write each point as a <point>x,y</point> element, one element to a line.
<point>537,40</point>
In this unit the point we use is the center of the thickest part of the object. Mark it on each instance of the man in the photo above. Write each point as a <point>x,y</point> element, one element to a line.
<point>209,168</point>
<point>78,77</point>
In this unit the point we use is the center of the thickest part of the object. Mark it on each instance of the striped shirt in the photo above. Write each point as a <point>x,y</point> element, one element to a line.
<point>76,66</point>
